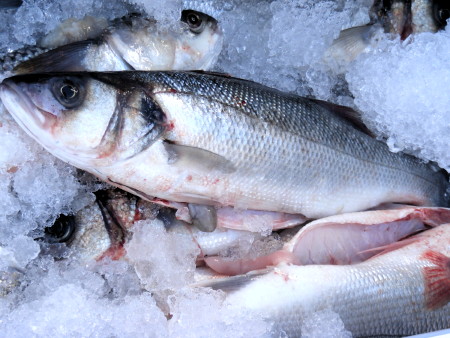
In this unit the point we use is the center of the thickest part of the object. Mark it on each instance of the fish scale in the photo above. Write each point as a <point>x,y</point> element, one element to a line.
<point>372,299</point>
<point>222,141</point>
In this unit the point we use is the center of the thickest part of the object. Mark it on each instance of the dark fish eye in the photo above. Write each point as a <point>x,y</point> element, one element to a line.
<point>69,92</point>
<point>441,13</point>
<point>195,20</point>
<point>62,230</point>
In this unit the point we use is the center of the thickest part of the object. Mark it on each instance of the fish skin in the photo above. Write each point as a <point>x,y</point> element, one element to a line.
<point>118,45</point>
<point>403,18</point>
<point>399,293</point>
<point>277,144</point>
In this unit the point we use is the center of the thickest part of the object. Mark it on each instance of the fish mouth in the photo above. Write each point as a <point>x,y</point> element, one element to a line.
<point>25,112</point>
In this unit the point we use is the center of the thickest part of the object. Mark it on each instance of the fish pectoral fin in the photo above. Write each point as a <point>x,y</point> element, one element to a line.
<point>437,280</point>
<point>196,158</point>
<point>231,284</point>
<point>204,217</point>
<point>352,42</point>
<point>64,58</point>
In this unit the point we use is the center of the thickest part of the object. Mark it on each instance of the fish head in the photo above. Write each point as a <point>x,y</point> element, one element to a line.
<point>100,229</point>
<point>84,121</point>
<point>195,43</point>
<point>404,17</point>
<point>202,39</point>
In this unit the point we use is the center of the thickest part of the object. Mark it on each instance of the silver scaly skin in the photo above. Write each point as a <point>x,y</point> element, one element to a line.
<point>399,293</point>
<point>131,42</point>
<point>215,140</point>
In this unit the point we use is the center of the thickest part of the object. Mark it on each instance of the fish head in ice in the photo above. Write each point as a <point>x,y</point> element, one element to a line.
<point>84,121</point>
<point>195,43</point>
<point>100,229</point>
<point>415,16</point>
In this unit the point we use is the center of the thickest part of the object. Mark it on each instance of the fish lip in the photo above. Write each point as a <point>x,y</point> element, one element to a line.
<point>40,116</point>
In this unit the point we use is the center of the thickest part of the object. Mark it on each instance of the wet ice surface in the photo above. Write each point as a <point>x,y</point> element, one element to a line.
<point>401,88</point>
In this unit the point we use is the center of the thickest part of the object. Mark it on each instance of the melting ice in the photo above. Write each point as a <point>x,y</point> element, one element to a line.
<point>401,88</point>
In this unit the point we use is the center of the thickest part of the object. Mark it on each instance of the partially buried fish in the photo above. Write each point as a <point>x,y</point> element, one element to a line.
<point>213,141</point>
<point>400,18</point>
<point>401,292</point>
<point>131,42</point>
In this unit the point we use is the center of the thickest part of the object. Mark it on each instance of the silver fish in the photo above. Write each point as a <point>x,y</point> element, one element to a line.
<point>214,140</point>
<point>132,42</point>
<point>402,292</point>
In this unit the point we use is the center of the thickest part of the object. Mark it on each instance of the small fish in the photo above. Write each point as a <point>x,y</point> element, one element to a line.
<point>401,292</point>
<point>213,140</point>
<point>132,42</point>
<point>396,17</point>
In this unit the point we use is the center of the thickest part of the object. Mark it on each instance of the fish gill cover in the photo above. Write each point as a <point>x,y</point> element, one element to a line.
<point>402,87</point>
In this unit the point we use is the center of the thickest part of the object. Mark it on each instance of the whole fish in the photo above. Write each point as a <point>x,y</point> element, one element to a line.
<point>402,292</point>
<point>208,139</point>
<point>132,42</point>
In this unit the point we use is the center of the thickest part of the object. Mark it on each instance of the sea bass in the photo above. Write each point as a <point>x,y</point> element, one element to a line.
<point>402,292</point>
<point>131,42</point>
<point>208,139</point>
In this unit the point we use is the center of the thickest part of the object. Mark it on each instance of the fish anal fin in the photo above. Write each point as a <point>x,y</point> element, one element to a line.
<point>231,284</point>
<point>240,266</point>
<point>196,158</point>
<point>437,280</point>
<point>204,217</point>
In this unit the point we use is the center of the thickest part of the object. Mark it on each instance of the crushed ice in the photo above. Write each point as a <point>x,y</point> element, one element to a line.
<point>401,87</point>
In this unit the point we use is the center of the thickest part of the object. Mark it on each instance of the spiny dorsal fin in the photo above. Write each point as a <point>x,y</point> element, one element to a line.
<point>347,113</point>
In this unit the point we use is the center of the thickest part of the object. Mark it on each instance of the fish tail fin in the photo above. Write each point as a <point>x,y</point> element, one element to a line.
<point>437,280</point>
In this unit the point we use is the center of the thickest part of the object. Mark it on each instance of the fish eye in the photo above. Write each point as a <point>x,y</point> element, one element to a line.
<point>195,21</point>
<point>62,230</point>
<point>441,13</point>
<point>69,92</point>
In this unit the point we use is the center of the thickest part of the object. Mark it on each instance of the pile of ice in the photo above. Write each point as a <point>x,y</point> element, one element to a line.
<point>401,87</point>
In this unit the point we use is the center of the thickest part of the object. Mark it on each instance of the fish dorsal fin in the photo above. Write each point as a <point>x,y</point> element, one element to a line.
<point>207,72</point>
<point>347,113</point>
<point>197,159</point>
<point>437,280</point>
<point>64,58</point>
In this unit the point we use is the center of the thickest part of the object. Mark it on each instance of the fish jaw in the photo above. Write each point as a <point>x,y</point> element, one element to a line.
<point>105,127</point>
